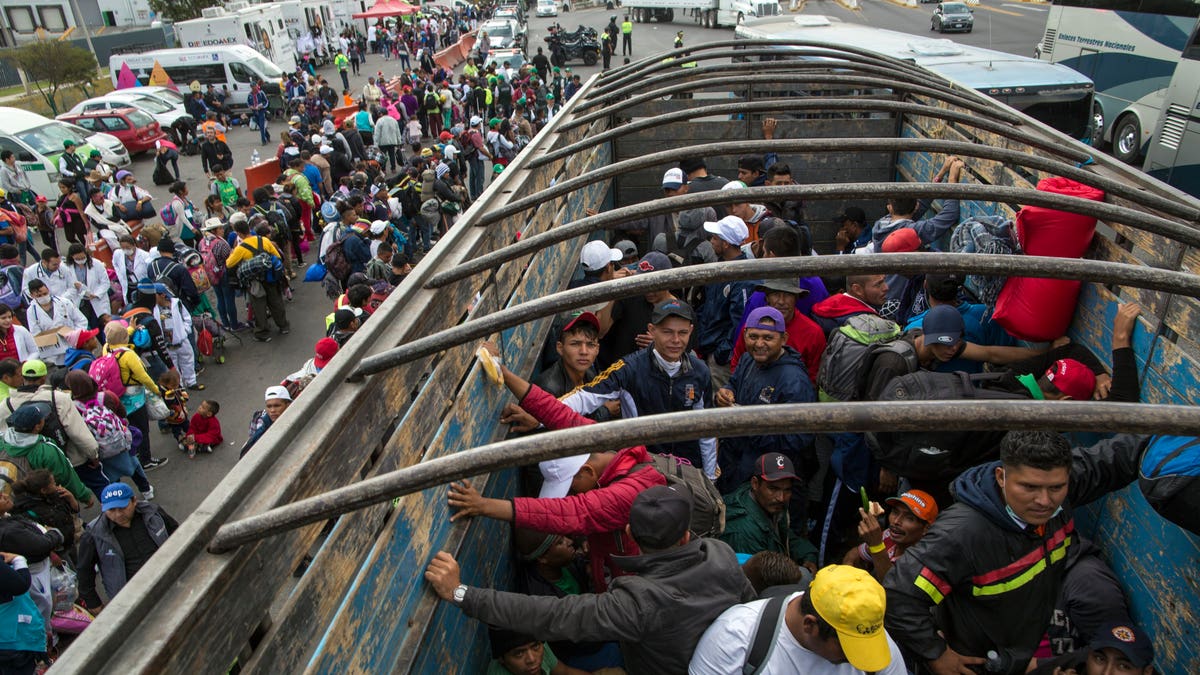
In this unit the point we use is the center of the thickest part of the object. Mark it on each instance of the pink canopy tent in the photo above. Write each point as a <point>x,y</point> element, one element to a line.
<point>386,9</point>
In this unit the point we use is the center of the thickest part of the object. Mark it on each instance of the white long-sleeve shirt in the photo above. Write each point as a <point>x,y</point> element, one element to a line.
<point>59,313</point>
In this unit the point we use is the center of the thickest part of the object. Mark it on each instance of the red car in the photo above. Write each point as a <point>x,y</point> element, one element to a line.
<point>137,130</point>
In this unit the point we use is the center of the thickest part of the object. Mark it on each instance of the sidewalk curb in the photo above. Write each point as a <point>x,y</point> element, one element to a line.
<point>852,5</point>
<point>910,4</point>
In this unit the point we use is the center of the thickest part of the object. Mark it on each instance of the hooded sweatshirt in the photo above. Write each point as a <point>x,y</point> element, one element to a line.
<point>992,581</point>
<point>832,312</point>
<point>39,453</point>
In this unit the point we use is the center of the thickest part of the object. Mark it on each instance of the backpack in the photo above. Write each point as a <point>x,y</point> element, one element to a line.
<point>167,213</point>
<point>260,266</point>
<point>852,349</point>
<point>994,235</point>
<point>140,337</point>
<point>164,274</point>
<point>708,509</point>
<point>1169,478</point>
<point>10,293</point>
<point>940,455</point>
<point>337,265</point>
<point>209,262</point>
<point>106,371</point>
<point>111,432</point>
<point>12,467</point>
<point>765,630</point>
<point>431,101</point>
<point>681,254</point>
<point>53,428</point>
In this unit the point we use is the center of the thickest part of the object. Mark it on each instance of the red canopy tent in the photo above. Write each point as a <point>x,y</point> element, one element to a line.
<point>386,9</point>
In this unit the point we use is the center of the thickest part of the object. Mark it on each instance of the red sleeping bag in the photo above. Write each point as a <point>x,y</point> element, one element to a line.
<point>1040,309</point>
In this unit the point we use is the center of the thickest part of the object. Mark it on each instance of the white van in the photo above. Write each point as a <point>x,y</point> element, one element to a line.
<point>235,66</point>
<point>38,142</point>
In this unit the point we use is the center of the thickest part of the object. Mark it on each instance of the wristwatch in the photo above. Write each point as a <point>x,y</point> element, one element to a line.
<point>460,592</point>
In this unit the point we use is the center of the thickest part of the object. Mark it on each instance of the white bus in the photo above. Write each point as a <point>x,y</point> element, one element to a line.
<point>1129,48</point>
<point>1174,155</point>
<point>1052,94</point>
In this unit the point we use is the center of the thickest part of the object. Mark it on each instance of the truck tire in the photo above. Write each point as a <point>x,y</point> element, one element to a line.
<point>1127,139</point>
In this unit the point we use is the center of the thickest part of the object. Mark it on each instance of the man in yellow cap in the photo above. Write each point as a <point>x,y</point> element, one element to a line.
<point>835,628</point>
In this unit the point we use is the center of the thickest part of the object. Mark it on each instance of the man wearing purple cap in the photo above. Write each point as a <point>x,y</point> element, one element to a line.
<point>774,373</point>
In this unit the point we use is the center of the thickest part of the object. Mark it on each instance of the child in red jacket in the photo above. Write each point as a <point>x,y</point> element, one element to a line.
<point>204,429</point>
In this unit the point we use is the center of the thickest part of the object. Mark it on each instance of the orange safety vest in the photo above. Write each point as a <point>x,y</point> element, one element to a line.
<point>209,124</point>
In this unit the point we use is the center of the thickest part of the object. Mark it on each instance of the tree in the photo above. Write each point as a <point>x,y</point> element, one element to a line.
<point>181,10</point>
<point>52,64</point>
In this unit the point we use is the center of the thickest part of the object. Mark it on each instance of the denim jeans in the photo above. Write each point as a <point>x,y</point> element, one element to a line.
<point>126,464</point>
<point>226,302</point>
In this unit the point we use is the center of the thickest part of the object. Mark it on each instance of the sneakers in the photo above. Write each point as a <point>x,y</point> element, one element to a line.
<point>285,331</point>
<point>154,463</point>
<point>148,494</point>
<point>262,338</point>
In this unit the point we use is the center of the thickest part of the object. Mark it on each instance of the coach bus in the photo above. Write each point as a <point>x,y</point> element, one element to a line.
<point>1174,154</point>
<point>1129,48</point>
<point>1049,93</point>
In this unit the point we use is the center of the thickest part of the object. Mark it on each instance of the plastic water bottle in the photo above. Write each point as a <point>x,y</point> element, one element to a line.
<point>254,157</point>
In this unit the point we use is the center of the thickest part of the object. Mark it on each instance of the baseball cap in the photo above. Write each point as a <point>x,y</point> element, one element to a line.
<point>850,600</point>
<point>668,308</point>
<point>627,248</point>
<point>68,143</point>
<point>277,392</point>
<point>673,179</point>
<point>773,466</point>
<point>852,213</point>
<point>1123,637</point>
<point>115,496</point>
<point>660,516</point>
<point>585,317</point>
<point>921,503</point>
<point>237,217</point>
<point>942,325</point>
<point>903,240</point>
<point>766,318</point>
<point>26,417</point>
<point>597,255</point>
<point>557,475</point>
<point>692,219</point>
<point>781,286</point>
<point>1070,377</point>
<point>654,261</point>
<point>324,351</point>
<point>378,226</point>
<point>476,120</point>
<point>730,229</point>
<point>343,318</point>
<point>34,368</point>
<point>79,338</point>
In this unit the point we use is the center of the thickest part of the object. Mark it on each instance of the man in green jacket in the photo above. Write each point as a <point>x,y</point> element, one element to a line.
<point>343,65</point>
<point>23,449</point>
<point>756,514</point>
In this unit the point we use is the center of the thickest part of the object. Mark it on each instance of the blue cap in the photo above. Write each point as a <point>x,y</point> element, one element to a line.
<point>943,325</point>
<point>329,211</point>
<point>766,318</point>
<point>115,496</point>
<point>146,287</point>
<point>161,289</point>
<point>25,418</point>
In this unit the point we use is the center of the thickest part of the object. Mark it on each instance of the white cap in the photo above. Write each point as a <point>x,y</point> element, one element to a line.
<point>378,226</point>
<point>326,149</point>
<point>760,212</point>
<point>450,151</point>
<point>597,255</point>
<point>673,179</point>
<point>476,120</point>
<point>277,392</point>
<point>557,475</point>
<point>733,185</point>
<point>317,139</point>
<point>730,228</point>
<point>291,150</point>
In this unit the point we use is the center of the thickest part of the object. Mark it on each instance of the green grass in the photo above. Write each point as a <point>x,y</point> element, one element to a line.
<point>67,97</point>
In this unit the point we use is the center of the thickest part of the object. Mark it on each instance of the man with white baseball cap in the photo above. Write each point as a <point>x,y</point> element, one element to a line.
<point>597,259</point>
<point>723,300</point>
<point>277,399</point>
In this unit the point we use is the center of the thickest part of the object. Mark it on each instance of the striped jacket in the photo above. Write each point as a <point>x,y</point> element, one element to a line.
<point>992,583</point>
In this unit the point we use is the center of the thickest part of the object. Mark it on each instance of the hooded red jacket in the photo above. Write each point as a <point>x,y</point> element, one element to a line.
<point>602,513</point>
<point>832,312</point>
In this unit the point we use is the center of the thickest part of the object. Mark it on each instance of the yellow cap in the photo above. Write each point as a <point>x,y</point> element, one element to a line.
<point>850,600</point>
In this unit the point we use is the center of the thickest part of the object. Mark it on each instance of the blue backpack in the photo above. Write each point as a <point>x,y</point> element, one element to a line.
<point>1170,479</point>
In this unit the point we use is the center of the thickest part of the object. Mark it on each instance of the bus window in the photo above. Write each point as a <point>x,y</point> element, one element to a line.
<point>241,73</point>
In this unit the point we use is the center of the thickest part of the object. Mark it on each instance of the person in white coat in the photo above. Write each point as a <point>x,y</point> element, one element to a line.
<point>90,284</point>
<point>49,270</point>
<point>49,312</point>
<point>131,265</point>
<point>176,325</point>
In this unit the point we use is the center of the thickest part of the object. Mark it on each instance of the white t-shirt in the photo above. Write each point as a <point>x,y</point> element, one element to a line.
<point>726,643</point>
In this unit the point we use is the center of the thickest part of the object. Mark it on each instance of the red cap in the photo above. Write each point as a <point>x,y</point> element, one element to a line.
<point>585,317</point>
<point>325,349</point>
<point>903,240</point>
<point>83,336</point>
<point>1072,378</point>
<point>445,136</point>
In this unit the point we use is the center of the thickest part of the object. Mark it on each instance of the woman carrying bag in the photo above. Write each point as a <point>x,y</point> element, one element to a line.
<point>132,202</point>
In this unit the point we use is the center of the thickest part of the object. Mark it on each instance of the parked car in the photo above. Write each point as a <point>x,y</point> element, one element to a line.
<point>547,8</point>
<point>515,58</point>
<point>504,34</point>
<point>136,129</point>
<point>510,12</point>
<point>112,150</point>
<point>952,16</point>
<point>167,115</point>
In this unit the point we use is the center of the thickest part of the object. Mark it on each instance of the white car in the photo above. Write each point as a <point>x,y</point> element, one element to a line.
<point>152,103</point>
<point>547,8</point>
<point>112,150</point>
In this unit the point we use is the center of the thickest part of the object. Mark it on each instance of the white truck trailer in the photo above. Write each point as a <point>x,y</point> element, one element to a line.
<point>260,27</point>
<point>709,13</point>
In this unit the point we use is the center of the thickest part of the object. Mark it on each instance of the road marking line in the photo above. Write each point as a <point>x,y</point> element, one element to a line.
<point>1031,8</point>
<point>999,11</point>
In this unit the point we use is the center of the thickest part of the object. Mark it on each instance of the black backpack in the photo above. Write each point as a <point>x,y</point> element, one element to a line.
<point>940,455</point>
<point>682,254</point>
<point>708,509</point>
<point>53,428</point>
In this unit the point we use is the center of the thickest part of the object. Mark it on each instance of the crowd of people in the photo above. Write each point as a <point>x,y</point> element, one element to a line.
<point>840,552</point>
<point>819,553</point>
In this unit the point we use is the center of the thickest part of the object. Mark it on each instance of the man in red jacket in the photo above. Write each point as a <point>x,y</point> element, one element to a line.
<point>592,494</point>
<point>864,294</point>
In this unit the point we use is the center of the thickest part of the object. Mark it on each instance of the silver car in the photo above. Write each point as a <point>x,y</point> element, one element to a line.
<point>952,16</point>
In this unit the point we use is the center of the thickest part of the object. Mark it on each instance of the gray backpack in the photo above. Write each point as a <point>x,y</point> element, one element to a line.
<point>852,349</point>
